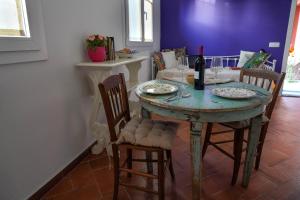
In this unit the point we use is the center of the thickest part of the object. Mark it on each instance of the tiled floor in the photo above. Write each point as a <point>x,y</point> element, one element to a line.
<point>277,178</point>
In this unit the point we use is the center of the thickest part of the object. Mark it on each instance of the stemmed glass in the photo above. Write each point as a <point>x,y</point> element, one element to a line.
<point>182,66</point>
<point>216,65</point>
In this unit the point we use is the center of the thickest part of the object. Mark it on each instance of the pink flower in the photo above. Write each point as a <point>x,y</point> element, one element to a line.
<point>101,37</point>
<point>91,38</point>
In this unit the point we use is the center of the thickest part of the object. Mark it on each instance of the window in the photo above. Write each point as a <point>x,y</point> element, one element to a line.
<point>148,20</point>
<point>22,36</point>
<point>139,18</point>
<point>13,19</point>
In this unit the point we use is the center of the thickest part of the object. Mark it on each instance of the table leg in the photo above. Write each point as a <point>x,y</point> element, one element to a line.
<point>254,133</point>
<point>133,69</point>
<point>145,113</point>
<point>99,130</point>
<point>196,129</point>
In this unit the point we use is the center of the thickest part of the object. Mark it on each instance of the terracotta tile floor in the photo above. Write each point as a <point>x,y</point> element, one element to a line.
<point>277,178</point>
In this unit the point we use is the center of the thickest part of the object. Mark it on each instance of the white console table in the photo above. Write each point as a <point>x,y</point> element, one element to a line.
<point>97,72</point>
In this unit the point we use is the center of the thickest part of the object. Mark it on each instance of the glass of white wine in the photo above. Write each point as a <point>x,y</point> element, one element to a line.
<point>182,66</point>
<point>216,65</point>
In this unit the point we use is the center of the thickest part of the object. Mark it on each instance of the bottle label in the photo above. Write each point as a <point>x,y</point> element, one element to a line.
<point>196,75</point>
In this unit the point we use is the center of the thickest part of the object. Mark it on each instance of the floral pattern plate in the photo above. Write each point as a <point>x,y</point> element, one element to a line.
<point>154,87</point>
<point>233,93</point>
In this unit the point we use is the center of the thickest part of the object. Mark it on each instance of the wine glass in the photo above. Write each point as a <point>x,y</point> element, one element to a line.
<point>182,66</point>
<point>216,65</point>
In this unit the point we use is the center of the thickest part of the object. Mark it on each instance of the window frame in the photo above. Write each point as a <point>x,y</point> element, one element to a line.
<point>24,27</point>
<point>142,43</point>
<point>26,49</point>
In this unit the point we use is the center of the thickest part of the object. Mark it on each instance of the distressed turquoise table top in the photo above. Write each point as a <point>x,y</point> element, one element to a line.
<point>205,101</point>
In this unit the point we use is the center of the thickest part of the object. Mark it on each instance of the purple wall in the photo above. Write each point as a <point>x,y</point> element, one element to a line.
<point>225,26</point>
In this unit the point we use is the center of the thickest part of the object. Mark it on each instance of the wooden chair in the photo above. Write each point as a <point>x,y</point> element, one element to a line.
<point>115,101</point>
<point>262,78</point>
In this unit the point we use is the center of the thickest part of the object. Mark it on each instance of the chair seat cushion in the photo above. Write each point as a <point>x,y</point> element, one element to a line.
<point>149,133</point>
<point>242,124</point>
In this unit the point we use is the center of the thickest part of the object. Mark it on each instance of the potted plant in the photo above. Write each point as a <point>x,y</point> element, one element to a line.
<point>96,47</point>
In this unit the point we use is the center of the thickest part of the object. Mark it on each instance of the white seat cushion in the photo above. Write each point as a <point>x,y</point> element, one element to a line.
<point>149,133</point>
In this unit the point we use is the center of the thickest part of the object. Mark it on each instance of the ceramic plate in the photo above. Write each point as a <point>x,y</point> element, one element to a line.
<point>216,81</point>
<point>233,93</point>
<point>158,88</point>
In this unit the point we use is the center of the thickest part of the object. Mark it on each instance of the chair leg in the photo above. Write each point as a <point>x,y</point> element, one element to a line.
<point>161,176</point>
<point>116,170</point>
<point>149,162</point>
<point>237,150</point>
<point>207,138</point>
<point>129,161</point>
<point>169,157</point>
<point>262,137</point>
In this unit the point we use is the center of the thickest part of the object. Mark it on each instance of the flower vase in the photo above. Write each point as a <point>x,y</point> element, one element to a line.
<point>97,54</point>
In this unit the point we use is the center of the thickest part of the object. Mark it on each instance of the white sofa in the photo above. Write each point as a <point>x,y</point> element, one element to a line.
<point>175,74</point>
<point>232,61</point>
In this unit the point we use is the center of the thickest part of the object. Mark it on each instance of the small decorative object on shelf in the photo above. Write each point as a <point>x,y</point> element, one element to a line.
<point>125,53</point>
<point>110,48</point>
<point>96,47</point>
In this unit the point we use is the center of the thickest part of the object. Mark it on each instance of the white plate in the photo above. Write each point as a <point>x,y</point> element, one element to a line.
<point>216,80</point>
<point>233,93</point>
<point>155,87</point>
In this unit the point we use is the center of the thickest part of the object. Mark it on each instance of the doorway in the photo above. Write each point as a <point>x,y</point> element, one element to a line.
<point>291,86</point>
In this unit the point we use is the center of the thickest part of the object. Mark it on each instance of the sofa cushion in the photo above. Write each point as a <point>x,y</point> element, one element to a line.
<point>257,60</point>
<point>148,132</point>
<point>173,72</point>
<point>244,57</point>
<point>169,59</point>
<point>159,61</point>
<point>176,74</point>
<point>179,52</point>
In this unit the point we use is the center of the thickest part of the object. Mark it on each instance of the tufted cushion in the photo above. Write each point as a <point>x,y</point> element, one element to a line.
<point>148,132</point>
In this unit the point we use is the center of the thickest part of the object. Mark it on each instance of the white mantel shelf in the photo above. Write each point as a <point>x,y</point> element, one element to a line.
<point>96,73</point>
<point>109,64</point>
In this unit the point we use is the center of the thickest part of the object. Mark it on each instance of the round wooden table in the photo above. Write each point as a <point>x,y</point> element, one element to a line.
<point>202,107</point>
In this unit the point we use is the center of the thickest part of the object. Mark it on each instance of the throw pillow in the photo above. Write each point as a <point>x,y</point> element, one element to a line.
<point>179,52</point>
<point>244,57</point>
<point>257,60</point>
<point>159,61</point>
<point>169,59</point>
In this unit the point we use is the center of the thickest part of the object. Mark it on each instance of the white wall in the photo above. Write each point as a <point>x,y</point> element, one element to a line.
<point>44,106</point>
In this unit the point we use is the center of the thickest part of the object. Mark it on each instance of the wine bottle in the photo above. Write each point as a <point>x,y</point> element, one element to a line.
<point>199,71</point>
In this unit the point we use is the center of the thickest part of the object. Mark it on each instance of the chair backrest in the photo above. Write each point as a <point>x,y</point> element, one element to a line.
<point>115,100</point>
<point>269,80</point>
